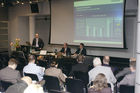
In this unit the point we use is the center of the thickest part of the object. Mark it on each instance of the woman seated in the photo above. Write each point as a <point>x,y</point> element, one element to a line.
<point>99,85</point>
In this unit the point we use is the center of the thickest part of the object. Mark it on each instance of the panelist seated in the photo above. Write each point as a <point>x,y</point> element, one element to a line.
<point>81,50</point>
<point>37,43</point>
<point>65,50</point>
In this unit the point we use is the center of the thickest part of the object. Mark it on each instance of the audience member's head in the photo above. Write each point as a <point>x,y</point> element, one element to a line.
<point>133,65</point>
<point>12,63</point>
<point>54,64</point>
<point>100,82</point>
<point>97,62</point>
<point>27,79</point>
<point>80,59</point>
<point>65,45</point>
<point>81,45</point>
<point>106,60</point>
<point>31,59</point>
<point>40,58</point>
<point>132,59</point>
<point>34,88</point>
<point>36,35</point>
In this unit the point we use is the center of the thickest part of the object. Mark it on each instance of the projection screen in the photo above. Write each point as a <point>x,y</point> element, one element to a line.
<point>97,23</point>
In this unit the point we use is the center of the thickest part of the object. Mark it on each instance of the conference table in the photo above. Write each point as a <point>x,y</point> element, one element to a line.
<point>65,63</point>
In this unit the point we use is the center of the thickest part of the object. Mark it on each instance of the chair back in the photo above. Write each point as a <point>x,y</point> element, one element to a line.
<point>51,83</point>
<point>126,89</point>
<point>75,86</point>
<point>82,76</point>
<point>56,91</point>
<point>32,76</point>
<point>5,85</point>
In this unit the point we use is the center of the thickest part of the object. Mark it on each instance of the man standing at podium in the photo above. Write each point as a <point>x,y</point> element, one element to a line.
<point>37,42</point>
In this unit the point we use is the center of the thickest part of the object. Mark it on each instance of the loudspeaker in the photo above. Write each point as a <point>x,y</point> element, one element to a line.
<point>34,8</point>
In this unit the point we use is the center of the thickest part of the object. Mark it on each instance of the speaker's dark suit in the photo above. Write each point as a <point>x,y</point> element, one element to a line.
<point>68,51</point>
<point>83,52</point>
<point>40,43</point>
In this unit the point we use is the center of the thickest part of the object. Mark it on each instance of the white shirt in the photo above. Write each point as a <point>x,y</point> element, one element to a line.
<point>37,42</point>
<point>104,70</point>
<point>34,69</point>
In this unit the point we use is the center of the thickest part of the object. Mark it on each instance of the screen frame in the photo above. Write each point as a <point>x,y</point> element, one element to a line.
<point>124,32</point>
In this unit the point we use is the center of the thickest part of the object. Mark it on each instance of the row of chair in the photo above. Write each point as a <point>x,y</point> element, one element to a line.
<point>72,85</point>
<point>52,83</point>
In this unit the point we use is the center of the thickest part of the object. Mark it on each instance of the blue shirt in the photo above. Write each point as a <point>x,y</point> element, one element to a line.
<point>34,69</point>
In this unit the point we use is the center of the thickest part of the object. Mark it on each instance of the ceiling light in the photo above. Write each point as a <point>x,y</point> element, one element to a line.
<point>18,2</point>
<point>30,2</point>
<point>2,4</point>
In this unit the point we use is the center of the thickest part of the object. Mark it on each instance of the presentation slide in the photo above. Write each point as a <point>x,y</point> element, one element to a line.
<point>95,23</point>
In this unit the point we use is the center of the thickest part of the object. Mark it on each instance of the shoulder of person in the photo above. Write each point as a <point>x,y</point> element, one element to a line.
<point>107,90</point>
<point>106,67</point>
<point>129,75</point>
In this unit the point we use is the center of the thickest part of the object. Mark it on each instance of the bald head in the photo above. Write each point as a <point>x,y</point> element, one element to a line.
<point>106,60</point>
<point>97,62</point>
<point>27,79</point>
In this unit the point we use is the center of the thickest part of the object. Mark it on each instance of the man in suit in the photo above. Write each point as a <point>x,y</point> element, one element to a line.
<point>130,78</point>
<point>81,50</point>
<point>9,73</point>
<point>20,86</point>
<point>38,42</point>
<point>98,68</point>
<point>65,50</point>
<point>56,72</point>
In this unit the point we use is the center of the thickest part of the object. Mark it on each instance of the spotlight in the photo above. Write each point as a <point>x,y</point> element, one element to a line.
<point>30,2</point>
<point>17,2</point>
<point>2,4</point>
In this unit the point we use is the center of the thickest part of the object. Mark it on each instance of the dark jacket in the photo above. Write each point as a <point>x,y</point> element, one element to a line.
<point>68,51</point>
<point>18,87</point>
<point>10,75</point>
<point>80,67</point>
<point>83,52</point>
<point>40,42</point>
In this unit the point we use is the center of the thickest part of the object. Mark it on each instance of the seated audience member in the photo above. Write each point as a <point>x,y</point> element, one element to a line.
<point>65,50</point>
<point>126,70</point>
<point>20,86</point>
<point>32,68</point>
<point>99,85</point>
<point>9,73</point>
<point>42,62</point>
<point>129,79</point>
<point>56,72</point>
<point>34,88</point>
<point>98,68</point>
<point>80,66</point>
<point>81,50</point>
<point>106,61</point>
